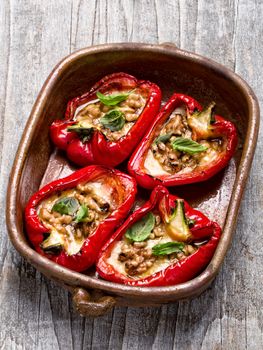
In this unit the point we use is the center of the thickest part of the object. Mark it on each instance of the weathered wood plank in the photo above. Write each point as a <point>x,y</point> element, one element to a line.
<point>35,313</point>
<point>242,316</point>
<point>26,309</point>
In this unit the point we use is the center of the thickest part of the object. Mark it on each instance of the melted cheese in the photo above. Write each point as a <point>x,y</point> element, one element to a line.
<point>103,191</point>
<point>152,166</point>
<point>185,170</point>
<point>79,109</point>
<point>209,157</point>
<point>71,244</point>
<point>113,259</point>
<point>179,110</point>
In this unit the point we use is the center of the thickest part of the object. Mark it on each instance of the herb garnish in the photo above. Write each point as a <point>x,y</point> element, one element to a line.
<point>83,132</point>
<point>82,213</point>
<point>167,248</point>
<point>187,145</point>
<point>163,138</point>
<point>113,99</point>
<point>66,205</point>
<point>113,120</point>
<point>142,229</point>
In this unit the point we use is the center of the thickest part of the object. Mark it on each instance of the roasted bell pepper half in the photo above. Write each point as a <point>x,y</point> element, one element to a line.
<point>164,242</point>
<point>69,220</point>
<point>104,125</point>
<point>186,144</point>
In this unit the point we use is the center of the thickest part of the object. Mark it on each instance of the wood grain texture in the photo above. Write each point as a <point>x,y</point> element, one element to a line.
<point>34,36</point>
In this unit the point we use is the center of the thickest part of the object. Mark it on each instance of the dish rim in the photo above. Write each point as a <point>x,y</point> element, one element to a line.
<point>78,279</point>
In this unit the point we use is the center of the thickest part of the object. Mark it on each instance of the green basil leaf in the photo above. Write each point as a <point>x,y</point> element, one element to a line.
<point>167,248</point>
<point>187,145</point>
<point>142,229</point>
<point>83,132</point>
<point>66,205</point>
<point>82,213</point>
<point>163,138</point>
<point>113,120</point>
<point>113,99</point>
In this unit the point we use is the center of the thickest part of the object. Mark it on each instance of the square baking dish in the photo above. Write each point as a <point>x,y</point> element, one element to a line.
<point>37,162</point>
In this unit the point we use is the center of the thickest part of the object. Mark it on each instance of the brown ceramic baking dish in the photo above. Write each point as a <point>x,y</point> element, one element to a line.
<point>37,162</point>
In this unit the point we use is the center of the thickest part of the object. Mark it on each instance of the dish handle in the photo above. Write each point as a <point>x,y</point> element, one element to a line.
<point>92,304</point>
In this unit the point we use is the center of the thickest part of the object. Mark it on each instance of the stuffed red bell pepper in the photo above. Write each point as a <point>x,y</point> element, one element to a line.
<point>186,144</point>
<point>70,219</point>
<point>165,242</point>
<point>104,125</point>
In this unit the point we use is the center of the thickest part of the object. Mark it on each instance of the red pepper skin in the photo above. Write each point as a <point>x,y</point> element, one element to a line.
<point>176,273</point>
<point>91,246</point>
<point>221,127</point>
<point>99,150</point>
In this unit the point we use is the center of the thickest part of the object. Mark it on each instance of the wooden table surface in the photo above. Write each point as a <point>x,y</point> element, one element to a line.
<point>37,314</point>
